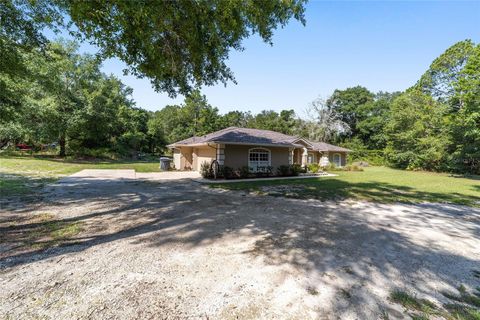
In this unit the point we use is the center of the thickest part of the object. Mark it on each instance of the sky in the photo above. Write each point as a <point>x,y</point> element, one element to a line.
<point>384,46</point>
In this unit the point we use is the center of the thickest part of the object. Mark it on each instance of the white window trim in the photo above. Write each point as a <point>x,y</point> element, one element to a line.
<point>263,149</point>
<point>339,164</point>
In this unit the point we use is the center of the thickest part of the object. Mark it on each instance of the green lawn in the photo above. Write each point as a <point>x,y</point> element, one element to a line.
<point>378,184</point>
<point>25,175</point>
<point>55,167</point>
<point>20,176</point>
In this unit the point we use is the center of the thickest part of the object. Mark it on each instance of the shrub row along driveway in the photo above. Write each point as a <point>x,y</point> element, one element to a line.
<point>150,249</point>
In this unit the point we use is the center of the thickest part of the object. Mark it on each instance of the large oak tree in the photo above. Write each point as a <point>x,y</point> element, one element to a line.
<point>178,45</point>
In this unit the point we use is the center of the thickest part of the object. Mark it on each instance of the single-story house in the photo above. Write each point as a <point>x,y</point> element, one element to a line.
<point>237,147</point>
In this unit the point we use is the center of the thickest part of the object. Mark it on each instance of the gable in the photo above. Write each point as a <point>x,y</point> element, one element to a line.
<point>303,142</point>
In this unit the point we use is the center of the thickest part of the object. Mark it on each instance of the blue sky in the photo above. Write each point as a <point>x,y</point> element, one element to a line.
<point>380,45</point>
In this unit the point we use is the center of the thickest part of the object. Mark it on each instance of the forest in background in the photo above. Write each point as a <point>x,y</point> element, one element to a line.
<point>62,97</point>
<point>50,94</point>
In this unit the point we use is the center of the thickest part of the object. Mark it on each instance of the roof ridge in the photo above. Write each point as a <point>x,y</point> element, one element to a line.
<point>215,132</point>
<point>272,131</point>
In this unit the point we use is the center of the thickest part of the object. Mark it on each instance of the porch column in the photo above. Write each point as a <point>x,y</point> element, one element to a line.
<point>304,157</point>
<point>323,160</point>
<point>291,154</point>
<point>221,154</point>
<point>195,165</point>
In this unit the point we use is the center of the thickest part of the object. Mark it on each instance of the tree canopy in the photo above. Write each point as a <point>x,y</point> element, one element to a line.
<point>178,45</point>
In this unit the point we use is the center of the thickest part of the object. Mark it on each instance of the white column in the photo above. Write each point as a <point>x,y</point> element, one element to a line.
<point>221,154</point>
<point>304,157</point>
<point>290,155</point>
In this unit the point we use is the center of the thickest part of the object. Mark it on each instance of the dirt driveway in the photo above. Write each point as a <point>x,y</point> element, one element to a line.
<point>177,249</point>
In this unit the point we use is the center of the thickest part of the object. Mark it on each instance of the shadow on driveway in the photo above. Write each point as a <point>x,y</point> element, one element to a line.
<point>353,247</point>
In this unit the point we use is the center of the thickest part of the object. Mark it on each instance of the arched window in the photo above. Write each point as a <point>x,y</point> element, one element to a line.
<point>259,158</point>
<point>337,159</point>
<point>310,158</point>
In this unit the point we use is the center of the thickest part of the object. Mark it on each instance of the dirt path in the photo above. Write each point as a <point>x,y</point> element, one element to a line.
<point>177,249</point>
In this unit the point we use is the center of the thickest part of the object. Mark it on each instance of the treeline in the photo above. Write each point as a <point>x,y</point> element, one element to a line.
<point>58,95</point>
<point>434,125</point>
<point>61,96</point>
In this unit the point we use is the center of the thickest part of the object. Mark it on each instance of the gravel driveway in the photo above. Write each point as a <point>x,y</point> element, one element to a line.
<point>177,249</point>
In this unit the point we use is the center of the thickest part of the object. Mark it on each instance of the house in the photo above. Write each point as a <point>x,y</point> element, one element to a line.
<point>237,147</point>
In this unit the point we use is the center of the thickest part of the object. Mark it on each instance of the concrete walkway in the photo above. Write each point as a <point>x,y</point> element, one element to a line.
<point>169,175</point>
<point>115,174</point>
<point>104,174</point>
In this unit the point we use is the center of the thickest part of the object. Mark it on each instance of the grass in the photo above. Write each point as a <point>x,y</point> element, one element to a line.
<point>379,184</point>
<point>413,303</point>
<point>22,176</point>
<point>11,185</point>
<point>464,297</point>
<point>40,232</point>
<point>465,306</point>
<point>54,167</point>
<point>312,291</point>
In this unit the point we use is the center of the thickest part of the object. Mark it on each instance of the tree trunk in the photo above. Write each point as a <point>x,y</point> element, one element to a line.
<point>61,142</point>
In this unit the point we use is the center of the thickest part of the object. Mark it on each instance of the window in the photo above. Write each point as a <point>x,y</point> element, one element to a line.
<point>310,158</point>
<point>258,159</point>
<point>337,159</point>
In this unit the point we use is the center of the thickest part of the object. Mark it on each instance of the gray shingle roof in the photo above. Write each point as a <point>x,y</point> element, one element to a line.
<point>242,135</point>
<point>254,137</point>
<point>322,146</point>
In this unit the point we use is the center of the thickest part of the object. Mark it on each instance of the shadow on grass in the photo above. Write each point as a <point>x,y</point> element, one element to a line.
<point>317,239</point>
<point>466,176</point>
<point>17,188</point>
<point>44,231</point>
<point>335,189</point>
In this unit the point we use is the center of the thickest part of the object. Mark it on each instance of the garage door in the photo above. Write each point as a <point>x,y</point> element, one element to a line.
<point>204,155</point>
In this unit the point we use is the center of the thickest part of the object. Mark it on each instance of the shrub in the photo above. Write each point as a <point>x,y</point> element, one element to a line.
<point>264,171</point>
<point>284,171</point>
<point>352,168</point>
<point>361,164</point>
<point>206,170</point>
<point>297,169</point>
<point>313,167</point>
<point>227,172</point>
<point>360,152</point>
<point>332,167</point>
<point>270,170</point>
<point>290,170</point>
<point>244,172</point>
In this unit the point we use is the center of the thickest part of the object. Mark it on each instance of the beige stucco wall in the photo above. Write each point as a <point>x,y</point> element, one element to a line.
<point>177,159</point>
<point>236,156</point>
<point>203,154</point>
<point>182,158</point>
<point>343,157</point>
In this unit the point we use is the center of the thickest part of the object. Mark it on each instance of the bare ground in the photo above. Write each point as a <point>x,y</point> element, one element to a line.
<point>177,249</point>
